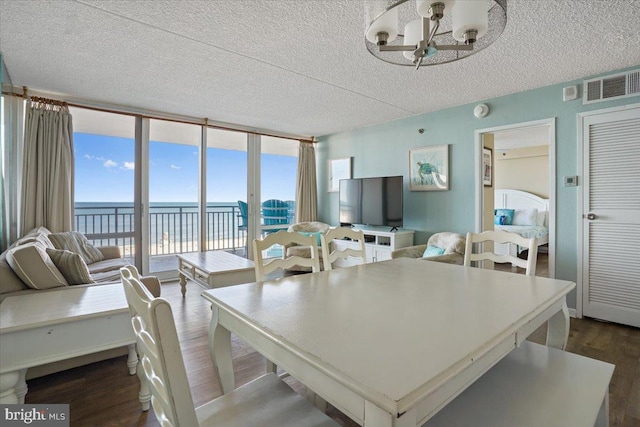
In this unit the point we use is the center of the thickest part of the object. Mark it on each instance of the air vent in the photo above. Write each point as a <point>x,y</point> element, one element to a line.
<point>616,86</point>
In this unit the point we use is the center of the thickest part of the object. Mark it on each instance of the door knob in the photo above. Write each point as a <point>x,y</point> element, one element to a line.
<point>591,216</point>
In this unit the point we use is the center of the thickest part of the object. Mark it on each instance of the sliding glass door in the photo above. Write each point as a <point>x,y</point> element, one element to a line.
<point>104,178</point>
<point>226,183</point>
<point>172,213</point>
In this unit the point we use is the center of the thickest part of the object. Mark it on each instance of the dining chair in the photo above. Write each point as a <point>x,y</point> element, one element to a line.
<point>284,238</point>
<point>267,400</point>
<point>343,233</point>
<point>531,245</point>
<point>243,221</point>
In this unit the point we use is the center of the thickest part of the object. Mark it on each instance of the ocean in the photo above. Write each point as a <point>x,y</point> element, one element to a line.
<point>173,226</point>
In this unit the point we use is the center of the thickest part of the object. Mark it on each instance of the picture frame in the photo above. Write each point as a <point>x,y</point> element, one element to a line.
<point>429,168</point>
<point>487,167</point>
<point>338,169</point>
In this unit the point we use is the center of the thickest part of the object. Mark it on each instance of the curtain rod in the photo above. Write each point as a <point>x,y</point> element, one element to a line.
<point>205,122</point>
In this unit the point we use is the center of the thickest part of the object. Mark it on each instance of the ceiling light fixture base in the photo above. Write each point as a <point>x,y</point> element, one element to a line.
<point>444,31</point>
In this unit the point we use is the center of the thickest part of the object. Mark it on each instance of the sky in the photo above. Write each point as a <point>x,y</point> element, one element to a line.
<point>105,165</point>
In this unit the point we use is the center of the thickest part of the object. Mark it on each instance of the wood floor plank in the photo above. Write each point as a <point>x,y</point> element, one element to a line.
<point>103,394</point>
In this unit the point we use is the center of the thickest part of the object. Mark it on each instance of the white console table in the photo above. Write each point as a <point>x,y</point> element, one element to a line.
<point>378,243</point>
<point>49,326</point>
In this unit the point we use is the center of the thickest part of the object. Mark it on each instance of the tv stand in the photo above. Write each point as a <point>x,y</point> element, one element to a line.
<point>378,243</point>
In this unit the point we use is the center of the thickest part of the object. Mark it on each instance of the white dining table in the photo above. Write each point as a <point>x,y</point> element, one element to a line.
<point>387,343</point>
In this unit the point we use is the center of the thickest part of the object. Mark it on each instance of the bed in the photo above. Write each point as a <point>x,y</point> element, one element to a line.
<point>530,217</point>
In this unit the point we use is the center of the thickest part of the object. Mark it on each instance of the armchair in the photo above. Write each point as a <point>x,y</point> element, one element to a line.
<point>452,243</point>
<point>308,228</point>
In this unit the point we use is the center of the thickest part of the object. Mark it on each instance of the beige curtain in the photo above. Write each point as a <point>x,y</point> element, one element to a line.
<point>306,188</point>
<point>48,167</point>
<point>11,178</point>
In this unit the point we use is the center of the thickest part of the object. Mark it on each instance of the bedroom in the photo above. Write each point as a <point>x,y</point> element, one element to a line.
<point>521,184</point>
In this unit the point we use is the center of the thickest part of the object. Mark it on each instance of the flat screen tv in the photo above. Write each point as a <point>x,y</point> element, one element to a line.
<point>371,201</point>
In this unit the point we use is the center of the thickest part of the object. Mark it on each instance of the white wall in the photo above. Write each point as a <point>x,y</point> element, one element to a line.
<point>525,169</point>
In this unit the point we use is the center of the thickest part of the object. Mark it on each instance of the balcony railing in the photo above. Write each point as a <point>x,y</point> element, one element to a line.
<point>173,227</point>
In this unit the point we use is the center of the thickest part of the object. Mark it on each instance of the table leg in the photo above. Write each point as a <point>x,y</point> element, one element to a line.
<point>144,396</point>
<point>132,359</point>
<point>220,347</point>
<point>183,284</point>
<point>558,328</point>
<point>21,387</point>
<point>376,417</point>
<point>8,384</point>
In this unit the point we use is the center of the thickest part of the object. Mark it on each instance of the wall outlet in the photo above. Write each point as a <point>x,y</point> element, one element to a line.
<point>570,181</point>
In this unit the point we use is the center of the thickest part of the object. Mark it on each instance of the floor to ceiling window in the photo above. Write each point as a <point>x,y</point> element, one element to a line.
<point>173,192</point>
<point>104,145</point>
<point>227,221</point>
<point>278,166</point>
<point>157,181</point>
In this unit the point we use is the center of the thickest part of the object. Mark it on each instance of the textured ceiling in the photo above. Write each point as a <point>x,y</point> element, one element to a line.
<point>298,67</point>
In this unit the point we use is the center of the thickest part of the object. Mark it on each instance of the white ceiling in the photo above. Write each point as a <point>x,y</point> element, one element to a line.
<point>298,66</point>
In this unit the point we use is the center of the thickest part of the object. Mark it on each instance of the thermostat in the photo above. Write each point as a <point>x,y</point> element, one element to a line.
<point>570,181</point>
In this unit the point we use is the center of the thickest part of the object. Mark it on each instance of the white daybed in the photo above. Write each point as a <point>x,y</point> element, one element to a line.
<point>528,223</point>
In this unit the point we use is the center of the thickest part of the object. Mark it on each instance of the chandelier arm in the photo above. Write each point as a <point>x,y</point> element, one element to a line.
<point>433,32</point>
<point>455,47</point>
<point>396,48</point>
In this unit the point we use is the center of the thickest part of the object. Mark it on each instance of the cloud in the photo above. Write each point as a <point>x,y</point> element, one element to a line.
<point>129,165</point>
<point>110,164</point>
<point>175,167</point>
<point>89,157</point>
<point>101,158</point>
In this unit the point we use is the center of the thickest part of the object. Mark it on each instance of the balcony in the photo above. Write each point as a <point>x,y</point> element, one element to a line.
<point>173,229</point>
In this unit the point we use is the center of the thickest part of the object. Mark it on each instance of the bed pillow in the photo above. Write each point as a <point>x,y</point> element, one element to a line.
<point>542,218</point>
<point>432,251</point>
<point>503,216</point>
<point>525,217</point>
<point>75,241</point>
<point>71,265</point>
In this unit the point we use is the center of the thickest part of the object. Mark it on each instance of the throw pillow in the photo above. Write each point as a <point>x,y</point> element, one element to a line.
<point>503,216</point>
<point>432,251</point>
<point>75,241</point>
<point>315,234</point>
<point>71,265</point>
<point>525,217</point>
<point>542,218</point>
<point>33,266</point>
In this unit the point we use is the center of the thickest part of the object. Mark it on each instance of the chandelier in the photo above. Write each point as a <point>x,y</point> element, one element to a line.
<point>435,31</point>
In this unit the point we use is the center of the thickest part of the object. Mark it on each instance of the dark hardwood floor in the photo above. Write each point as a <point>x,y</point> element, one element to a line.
<point>103,394</point>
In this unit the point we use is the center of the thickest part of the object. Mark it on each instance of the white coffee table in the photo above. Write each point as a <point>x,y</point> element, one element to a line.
<point>49,326</point>
<point>214,269</point>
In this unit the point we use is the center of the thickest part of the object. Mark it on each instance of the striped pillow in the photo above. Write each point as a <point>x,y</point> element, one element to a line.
<point>75,241</point>
<point>71,265</point>
<point>31,263</point>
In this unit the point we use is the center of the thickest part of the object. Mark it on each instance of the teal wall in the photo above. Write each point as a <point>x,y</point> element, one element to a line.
<point>383,150</point>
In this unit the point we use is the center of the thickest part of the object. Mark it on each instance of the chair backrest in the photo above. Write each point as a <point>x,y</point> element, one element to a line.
<point>502,237</point>
<point>264,266</point>
<point>275,212</point>
<point>340,233</point>
<point>160,354</point>
<point>242,206</point>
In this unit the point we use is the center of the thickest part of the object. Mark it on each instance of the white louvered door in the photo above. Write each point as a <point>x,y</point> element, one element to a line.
<point>611,216</point>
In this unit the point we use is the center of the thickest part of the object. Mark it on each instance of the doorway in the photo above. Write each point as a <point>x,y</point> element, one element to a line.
<point>515,149</point>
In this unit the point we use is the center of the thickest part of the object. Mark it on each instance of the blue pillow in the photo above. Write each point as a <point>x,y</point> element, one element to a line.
<point>317,234</point>
<point>503,216</point>
<point>432,251</point>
